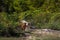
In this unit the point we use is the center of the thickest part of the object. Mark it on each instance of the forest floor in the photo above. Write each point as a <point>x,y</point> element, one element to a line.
<point>37,34</point>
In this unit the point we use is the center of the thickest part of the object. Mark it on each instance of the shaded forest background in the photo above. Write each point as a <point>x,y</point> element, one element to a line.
<point>41,13</point>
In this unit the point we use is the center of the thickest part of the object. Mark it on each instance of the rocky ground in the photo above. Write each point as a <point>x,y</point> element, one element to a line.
<point>42,34</point>
<point>38,34</point>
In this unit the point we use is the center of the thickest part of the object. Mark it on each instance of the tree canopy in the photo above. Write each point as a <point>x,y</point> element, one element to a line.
<point>41,13</point>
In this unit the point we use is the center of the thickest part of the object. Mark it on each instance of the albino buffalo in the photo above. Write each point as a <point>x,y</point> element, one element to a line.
<point>24,25</point>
